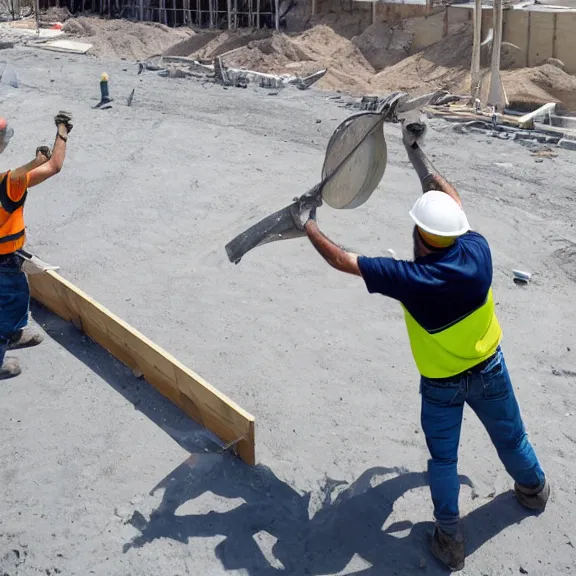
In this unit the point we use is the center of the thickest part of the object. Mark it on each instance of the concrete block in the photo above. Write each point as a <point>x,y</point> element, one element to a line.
<point>567,144</point>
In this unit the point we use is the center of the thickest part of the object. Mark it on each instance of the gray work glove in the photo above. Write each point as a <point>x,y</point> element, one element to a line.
<point>64,118</point>
<point>305,207</point>
<point>413,131</point>
<point>43,153</point>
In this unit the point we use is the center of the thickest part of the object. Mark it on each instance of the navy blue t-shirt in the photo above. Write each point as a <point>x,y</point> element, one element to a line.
<point>438,289</point>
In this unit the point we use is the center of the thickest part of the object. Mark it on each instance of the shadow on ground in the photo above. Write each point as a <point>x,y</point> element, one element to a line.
<point>189,435</point>
<point>271,532</point>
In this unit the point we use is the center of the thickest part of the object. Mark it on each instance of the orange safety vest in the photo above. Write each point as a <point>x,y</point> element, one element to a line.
<point>12,229</point>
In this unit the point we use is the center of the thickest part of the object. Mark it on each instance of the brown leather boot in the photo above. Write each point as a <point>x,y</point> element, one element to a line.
<point>10,368</point>
<point>449,550</point>
<point>25,338</point>
<point>533,499</point>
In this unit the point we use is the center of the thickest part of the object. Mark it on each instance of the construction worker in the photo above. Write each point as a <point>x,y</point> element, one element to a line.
<point>15,331</point>
<point>455,340</point>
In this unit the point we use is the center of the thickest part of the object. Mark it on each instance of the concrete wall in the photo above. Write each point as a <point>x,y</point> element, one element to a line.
<point>566,41</point>
<point>515,31</point>
<point>540,37</point>
<point>538,34</point>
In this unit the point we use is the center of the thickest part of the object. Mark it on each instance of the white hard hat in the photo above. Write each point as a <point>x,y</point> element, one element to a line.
<point>437,213</point>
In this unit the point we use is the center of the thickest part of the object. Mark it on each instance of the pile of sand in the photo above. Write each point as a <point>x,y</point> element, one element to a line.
<point>348,69</point>
<point>528,87</point>
<point>383,44</point>
<point>276,53</point>
<point>124,39</point>
<point>444,65</point>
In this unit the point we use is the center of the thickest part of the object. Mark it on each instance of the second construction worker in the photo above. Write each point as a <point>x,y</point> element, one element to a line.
<point>455,338</point>
<point>15,330</point>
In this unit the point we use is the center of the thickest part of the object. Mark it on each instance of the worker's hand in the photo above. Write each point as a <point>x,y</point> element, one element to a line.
<point>43,154</point>
<point>64,119</point>
<point>305,210</point>
<point>413,132</point>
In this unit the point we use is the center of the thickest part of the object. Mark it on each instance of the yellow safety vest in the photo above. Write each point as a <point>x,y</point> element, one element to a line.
<point>458,347</point>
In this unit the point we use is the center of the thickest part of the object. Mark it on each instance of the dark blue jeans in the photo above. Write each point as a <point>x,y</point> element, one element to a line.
<point>14,300</point>
<point>488,391</point>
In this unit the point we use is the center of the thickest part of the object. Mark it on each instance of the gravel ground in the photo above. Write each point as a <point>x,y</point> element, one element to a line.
<point>100,475</point>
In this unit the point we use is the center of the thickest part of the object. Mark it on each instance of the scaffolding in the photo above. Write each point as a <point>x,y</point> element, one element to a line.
<point>215,14</point>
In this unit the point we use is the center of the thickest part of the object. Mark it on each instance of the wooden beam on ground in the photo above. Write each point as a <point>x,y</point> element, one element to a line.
<point>198,399</point>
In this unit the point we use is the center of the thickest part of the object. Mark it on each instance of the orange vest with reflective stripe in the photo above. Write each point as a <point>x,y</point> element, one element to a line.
<point>12,230</point>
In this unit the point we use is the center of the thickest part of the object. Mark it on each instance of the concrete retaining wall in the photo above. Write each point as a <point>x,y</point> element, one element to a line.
<point>540,34</point>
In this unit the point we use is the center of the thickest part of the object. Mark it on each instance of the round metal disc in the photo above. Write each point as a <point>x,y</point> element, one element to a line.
<point>356,157</point>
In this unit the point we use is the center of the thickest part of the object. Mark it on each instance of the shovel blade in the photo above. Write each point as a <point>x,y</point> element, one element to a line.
<point>277,226</point>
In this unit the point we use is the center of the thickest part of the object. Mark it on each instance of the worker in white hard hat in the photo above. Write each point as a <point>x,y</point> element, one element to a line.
<point>455,338</point>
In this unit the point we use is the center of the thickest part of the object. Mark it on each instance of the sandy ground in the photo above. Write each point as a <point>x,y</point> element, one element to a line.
<point>99,475</point>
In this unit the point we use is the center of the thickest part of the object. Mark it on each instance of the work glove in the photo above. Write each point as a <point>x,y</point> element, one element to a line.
<point>413,131</point>
<point>305,208</point>
<point>64,118</point>
<point>43,153</point>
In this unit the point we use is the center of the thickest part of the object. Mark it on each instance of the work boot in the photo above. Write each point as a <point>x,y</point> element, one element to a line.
<point>25,338</point>
<point>533,499</point>
<point>10,368</point>
<point>448,549</point>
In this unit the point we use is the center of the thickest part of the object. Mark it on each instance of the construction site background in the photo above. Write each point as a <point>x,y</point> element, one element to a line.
<point>367,48</point>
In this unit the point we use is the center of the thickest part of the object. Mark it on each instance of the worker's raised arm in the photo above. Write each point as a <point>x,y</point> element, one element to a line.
<point>430,179</point>
<point>333,254</point>
<point>437,182</point>
<point>54,164</point>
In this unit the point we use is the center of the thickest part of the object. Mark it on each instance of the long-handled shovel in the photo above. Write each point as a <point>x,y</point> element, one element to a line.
<point>354,164</point>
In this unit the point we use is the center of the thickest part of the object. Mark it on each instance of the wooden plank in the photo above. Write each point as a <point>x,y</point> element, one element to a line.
<point>196,397</point>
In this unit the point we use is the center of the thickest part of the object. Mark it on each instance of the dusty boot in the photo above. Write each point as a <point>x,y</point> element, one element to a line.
<point>25,338</point>
<point>448,549</point>
<point>10,368</point>
<point>533,499</point>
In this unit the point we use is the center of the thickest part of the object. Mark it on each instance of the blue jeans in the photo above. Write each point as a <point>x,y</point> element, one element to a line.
<point>14,300</point>
<point>488,391</point>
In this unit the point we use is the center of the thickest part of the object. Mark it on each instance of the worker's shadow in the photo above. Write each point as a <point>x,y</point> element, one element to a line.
<point>348,522</point>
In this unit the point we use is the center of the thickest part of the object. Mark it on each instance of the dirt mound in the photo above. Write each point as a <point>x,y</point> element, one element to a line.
<point>348,69</point>
<point>529,87</point>
<point>214,43</point>
<point>300,54</point>
<point>278,54</point>
<point>124,39</point>
<point>444,65</point>
<point>384,45</point>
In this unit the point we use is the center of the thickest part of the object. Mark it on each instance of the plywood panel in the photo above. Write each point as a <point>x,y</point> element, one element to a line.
<point>541,38</point>
<point>566,40</point>
<point>201,401</point>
